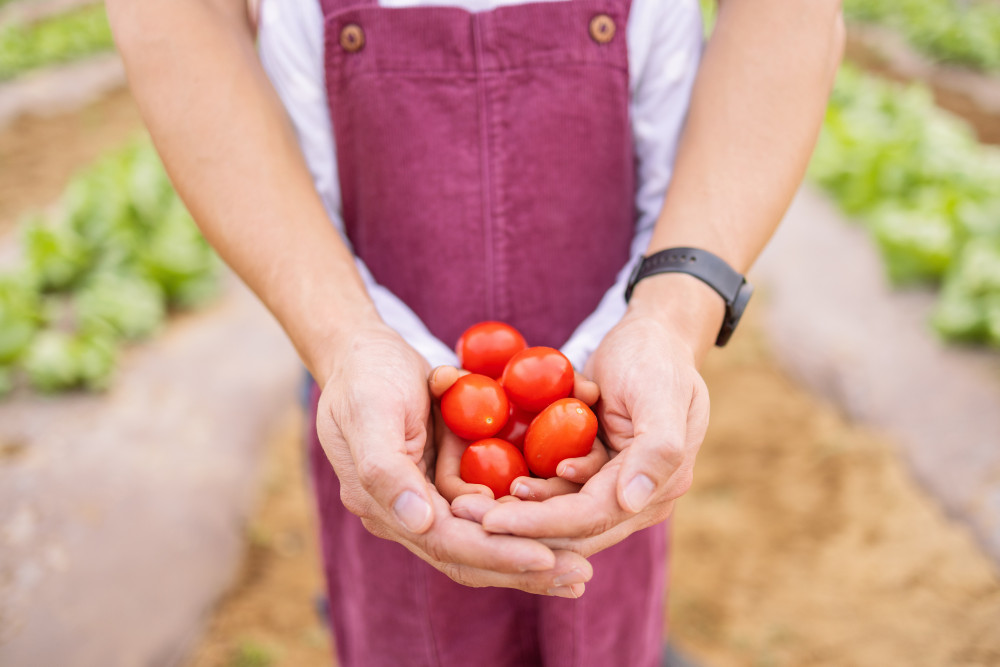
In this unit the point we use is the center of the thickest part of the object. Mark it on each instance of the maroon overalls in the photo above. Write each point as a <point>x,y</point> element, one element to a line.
<point>487,172</point>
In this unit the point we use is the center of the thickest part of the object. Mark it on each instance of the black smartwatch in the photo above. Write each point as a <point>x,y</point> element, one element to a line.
<point>706,267</point>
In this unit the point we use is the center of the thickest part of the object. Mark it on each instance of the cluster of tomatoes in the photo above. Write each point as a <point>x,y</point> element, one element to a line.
<point>515,407</point>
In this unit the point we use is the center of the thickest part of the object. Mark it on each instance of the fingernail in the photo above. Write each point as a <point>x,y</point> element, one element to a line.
<point>638,492</point>
<point>571,592</point>
<point>411,510</point>
<point>567,471</point>
<point>521,490</point>
<point>574,576</point>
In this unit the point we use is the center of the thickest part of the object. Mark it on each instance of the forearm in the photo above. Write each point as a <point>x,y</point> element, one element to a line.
<point>756,110</point>
<point>234,159</point>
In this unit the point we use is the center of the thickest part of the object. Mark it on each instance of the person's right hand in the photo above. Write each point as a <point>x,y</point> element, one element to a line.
<point>373,421</point>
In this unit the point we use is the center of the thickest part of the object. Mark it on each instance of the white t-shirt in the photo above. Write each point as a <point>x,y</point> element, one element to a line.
<point>664,48</point>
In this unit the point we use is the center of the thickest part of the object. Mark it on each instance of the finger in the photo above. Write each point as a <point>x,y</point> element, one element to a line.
<point>567,577</point>
<point>592,511</point>
<point>377,439</point>
<point>455,541</point>
<point>472,507</point>
<point>582,468</point>
<point>533,488</point>
<point>588,546</point>
<point>659,463</point>
<point>441,379</point>
<point>447,474</point>
<point>585,390</point>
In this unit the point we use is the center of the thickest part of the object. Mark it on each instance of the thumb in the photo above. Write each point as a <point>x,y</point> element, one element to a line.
<point>380,447</point>
<point>659,463</point>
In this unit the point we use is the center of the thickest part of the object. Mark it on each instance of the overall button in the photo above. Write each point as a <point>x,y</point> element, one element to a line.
<point>602,28</point>
<point>352,37</point>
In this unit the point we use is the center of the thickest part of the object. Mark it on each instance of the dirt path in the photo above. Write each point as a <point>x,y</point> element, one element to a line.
<point>39,155</point>
<point>269,617</point>
<point>803,542</point>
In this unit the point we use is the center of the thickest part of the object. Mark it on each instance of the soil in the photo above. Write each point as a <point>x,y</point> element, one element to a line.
<point>270,616</point>
<point>803,542</point>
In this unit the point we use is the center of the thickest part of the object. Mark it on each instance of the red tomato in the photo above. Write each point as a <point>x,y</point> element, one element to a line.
<point>516,426</point>
<point>485,348</point>
<point>564,430</point>
<point>536,377</point>
<point>474,407</point>
<point>493,462</point>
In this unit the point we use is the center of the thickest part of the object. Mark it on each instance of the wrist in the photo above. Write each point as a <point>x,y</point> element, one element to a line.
<point>331,342</point>
<point>685,305</point>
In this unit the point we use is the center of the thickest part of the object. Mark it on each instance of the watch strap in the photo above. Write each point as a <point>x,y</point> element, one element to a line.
<point>707,267</point>
<point>702,264</point>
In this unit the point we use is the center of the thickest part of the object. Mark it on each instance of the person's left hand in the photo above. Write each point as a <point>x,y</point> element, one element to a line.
<point>654,413</point>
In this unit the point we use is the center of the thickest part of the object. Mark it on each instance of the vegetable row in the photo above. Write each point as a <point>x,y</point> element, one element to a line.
<point>57,39</point>
<point>117,253</point>
<point>953,31</point>
<point>928,191</point>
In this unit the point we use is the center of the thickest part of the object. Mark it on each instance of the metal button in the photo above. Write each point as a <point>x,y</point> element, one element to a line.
<point>352,37</point>
<point>602,28</point>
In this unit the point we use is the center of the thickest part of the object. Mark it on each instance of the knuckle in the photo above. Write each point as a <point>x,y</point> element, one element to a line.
<point>376,528</point>
<point>372,470</point>
<point>601,522</point>
<point>437,552</point>
<point>460,575</point>
<point>680,483</point>
<point>352,502</point>
<point>668,456</point>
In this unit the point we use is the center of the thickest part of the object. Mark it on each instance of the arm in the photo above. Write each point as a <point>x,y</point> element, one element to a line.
<point>234,159</point>
<point>756,111</point>
<point>291,49</point>
<point>665,45</point>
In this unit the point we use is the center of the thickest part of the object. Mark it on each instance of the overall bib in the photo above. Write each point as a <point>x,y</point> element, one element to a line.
<point>487,173</point>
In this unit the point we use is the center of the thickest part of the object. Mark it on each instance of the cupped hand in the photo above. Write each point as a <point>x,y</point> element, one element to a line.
<point>373,421</point>
<point>572,473</point>
<point>654,413</point>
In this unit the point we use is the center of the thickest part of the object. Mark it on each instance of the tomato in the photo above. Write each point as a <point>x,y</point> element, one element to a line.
<point>536,377</point>
<point>493,462</point>
<point>475,407</point>
<point>564,430</point>
<point>517,425</point>
<point>485,348</point>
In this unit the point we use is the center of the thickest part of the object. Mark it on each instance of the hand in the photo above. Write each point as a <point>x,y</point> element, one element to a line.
<point>374,423</point>
<point>572,473</point>
<point>654,414</point>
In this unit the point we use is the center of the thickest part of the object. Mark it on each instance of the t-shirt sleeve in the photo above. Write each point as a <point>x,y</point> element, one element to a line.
<point>664,47</point>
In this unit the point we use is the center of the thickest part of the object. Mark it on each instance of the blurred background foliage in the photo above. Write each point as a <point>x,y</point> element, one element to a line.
<point>951,31</point>
<point>105,266</point>
<point>916,176</point>
<point>28,45</point>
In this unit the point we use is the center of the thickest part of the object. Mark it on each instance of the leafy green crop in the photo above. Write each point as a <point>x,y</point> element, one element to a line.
<point>120,252</point>
<point>57,39</point>
<point>953,31</point>
<point>927,190</point>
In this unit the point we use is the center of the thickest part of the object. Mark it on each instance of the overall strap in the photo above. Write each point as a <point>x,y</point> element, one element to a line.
<point>334,6</point>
